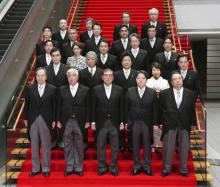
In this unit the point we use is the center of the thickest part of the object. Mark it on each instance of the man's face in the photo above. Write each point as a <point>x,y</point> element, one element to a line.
<point>103,48</point>
<point>177,81</point>
<point>134,42</point>
<point>56,57</point>
<point>126,18</point>
<point>124,32</point>
<point>63,24</point>
<point>89,25</point>
<point>72,78</point>
<point>168,45</point>
<point>141,80</point>
<point>108,77</point>
<point>151,32</point>
<point>153,15</point>
<point>183,63</point>
<point>47,34</point>
<point>73,35</point>
<point>126,62</point>
<point>41,76</point>
<point>48,47</point>
<point>91,61</point>
<point>97,30</point>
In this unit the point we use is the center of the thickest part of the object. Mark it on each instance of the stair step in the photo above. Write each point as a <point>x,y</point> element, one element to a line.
<point>204,177</point>
<point>19,151</point>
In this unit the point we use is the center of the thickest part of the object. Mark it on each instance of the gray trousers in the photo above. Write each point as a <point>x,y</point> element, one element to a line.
<point>140,133</point>
<point>73,146</point>
<point>39,133</point>
<point>169,144</point>
<point>107,131</point>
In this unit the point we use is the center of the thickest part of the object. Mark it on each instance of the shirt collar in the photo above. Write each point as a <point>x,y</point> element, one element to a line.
<point>153,39</point>
<point>142,88</point>
<point>108,87</point>
<point>127,70</point>
<point>175,91</point>
<point>135,50</point>
<point>75,86</point>
<point>43,85</point>
<point>56,65</point>
<point>122,39</point>
<point>94,69</point>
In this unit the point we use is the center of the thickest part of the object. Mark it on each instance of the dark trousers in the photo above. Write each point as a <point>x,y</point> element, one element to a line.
<point>73,146</point>
<point>169,145</point>
<point>141,134</point>
<point>107,131</point>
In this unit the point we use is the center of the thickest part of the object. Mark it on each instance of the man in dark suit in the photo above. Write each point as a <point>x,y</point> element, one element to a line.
<point>46,35</point>
<point>45,59</point>
<point>141,61</point>
<point>152,45</point>
<point>39,118</point>
<point>126,17</point>
<point>126,78</point>
<point>61,36</point>
<point>123,44</point>
<point>160,27</point>
<point>73,112</point>
<point>141,111</point>
<point>107,119</point>
<point>190,78</point>
<point>177,105</point>
<point>105,59</point>
<point>167,59</point>
<point>93,43</point>
<point>87,35</point>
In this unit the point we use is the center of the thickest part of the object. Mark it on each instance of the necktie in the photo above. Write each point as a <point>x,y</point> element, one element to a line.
<point>135,52</point>
<point>124,43</point>
<point>126,74</point>
<point>73,91</point>
<point>91,72</point>
<point>56,69</point>
<point>152,42</point>
<point>184,74</point>
<point>108,92</point>
<point>141,93</point>
<point>103,58</point>
<point>167,57</point>
<point>178,99</point>
<point>40,90</point>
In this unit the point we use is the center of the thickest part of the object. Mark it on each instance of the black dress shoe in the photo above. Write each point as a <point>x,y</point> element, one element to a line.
<point>80,173</point>
<point>148,172</point>
<point>164,173</point>
<point>46,174</point>
<point>67,173</point>
<point>135,172</point>
<point>34,173</point>
<point>114,173</point>
<point>185,174</point>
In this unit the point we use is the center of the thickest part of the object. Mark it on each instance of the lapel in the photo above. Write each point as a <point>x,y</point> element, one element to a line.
<point>112,92</point>
<point>45,93</point>
<point>172,98</point>
<point>77,92</point>
<point>183,99</point>
<point>131,75</point>
<point>188,76</point>
<point>36,93</point>
<point>137,93</point>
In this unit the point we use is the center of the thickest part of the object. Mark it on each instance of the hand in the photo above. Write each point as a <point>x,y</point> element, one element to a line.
<point>122,127</point>
<point>87,125</point>
<point>53,125</point>
<point>93,127</point>
<point>59,125</point>
<point>25,123</point>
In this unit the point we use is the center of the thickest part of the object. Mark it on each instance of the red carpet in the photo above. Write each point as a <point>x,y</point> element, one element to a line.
<point>108,14</point>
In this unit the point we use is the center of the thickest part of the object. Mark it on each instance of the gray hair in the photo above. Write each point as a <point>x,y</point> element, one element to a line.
<point>91,53</point>
<point>72,70</point>
<point>153,10</point>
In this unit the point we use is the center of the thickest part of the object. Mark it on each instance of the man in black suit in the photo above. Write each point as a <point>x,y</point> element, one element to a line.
<point>141,111</point>
<point>61,36</point>
<point>177,105</point>
<point>87,35</point>
<point>190,78</point>
<point>152,45</point>
<point>160,27</point>
<point>93,43</point>
<point>73,113</point>
<point>126,17</point>
<point>141,61</point>
<point>46,35</point>
<point>105,59</point>
<point>167,59</point>
<point>107,119</point>
<point>39,118</point>
<point>123,44</point>
<point>45,59</point>
<point>126,78</point>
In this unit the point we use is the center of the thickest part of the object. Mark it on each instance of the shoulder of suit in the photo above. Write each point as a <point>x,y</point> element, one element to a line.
<point>83,87</point>
<point>117,87</point>
<point>150,90</point>
<point>142,51</point>
<point>50,86</point>
<point>166,91</point>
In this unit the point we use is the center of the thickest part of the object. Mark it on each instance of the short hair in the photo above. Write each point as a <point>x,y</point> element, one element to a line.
<point>73,28</point>
<point>153,10</point>
<point>91,53</point>
<point>98,24</point>
<point>105,41</point>
<point>75,71</point>
<point>123,26</point>
<point>126,12</point>
<point>80,45</point>
<point>173,73</point>
<point>168,38</point>
<point>40,68</point>
<point>90,19</point>
<point>47,41</point>
<point>156,65</point>
<point>134,35</point>
<point>107,70</point>
<point>151,27</point>
<point>62,20</point>
<point>184,55</point>
<point>142,72</point>
<point>47,27</point>
<point>55,49</point>
<point>127,53</point>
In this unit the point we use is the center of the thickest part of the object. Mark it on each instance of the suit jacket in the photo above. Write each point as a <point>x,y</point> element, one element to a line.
<point>120,80</point>
<point>91,45</point>
<point>104,108</point>
<point>57,37</point>
<point>86,79</point>
<point>157,48</point>
<point>171,116</point>
<point>40,47</point>
<point>141,62</point>
<point>36,105</point>
<point>167,67</point>
<point>111,62</point>
<point>132,29</point>
<point>79,105</point>
<point>161,30</point>
<point>84,37</point>
<point>41,61</point>
<point>57,80</point>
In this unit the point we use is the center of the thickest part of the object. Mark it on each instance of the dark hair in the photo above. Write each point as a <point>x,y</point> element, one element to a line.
<point>80,45</point>
<point>108,70</point>
<point>135,35</point>
<point>173,73</point>
<point>90,19</point>
<point>47,41</point>
<point>40,68</point>
<point>105,41</point>
<point>47,27</point>
<point>156,65</point>
<point>127,53</point>
<point>183,55</point>
<point>123,26</point>
<point>55,49</point>
<point>168,38</point>
<point>126,12</point>
<point>151,27</point>
<point>142,72</point>
<point>96,23</point>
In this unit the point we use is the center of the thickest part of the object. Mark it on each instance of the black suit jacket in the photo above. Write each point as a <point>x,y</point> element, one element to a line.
<point>91,45</point>
<point>161,30</point>
<point>36,105</point>
<point>40,47</point>
<point>111,62</point>
<point>41,61</point>
<point>79,105</point>
<point>171,116</point>
<point>120,80</point>
<point>157,48</point>
<point>167,67</point>
<point>60,79</point>
<point>86,79</point>
<point>132,29</point>
<point>102,107</point>
<point>141,62</point>
<point>57,37</point>
<point>84,36</point>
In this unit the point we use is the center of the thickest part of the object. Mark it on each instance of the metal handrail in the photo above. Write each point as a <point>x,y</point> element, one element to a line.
<point>74,12</point>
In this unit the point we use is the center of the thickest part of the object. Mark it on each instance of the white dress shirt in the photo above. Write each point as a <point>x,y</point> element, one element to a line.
<point>108,90</point>
<point>153,23</point>
<point>73,89</point>
<point>56,68</point>
<point>183,73</point>
<point>126,72</point>
<point>157,84</point>
<point>41,88</point>
<point>48,59</point>
<point>63,34</point>
<point>135,52</point>
<point>124,42</point>
<point>178,94</point>
<point>90,33</point>
<point>92,70</point>
<point>167,55</point>
<point>141,91</point>
<point>104,58</point>
<point>152,42</point>
<point>97,39</point>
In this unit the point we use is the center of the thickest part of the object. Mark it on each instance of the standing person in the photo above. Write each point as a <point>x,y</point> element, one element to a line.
<point>73,112</point>
<point>141,111</point>
<point>39,118</point>
<point>87,35</point>
<point>107,119</point>
<point>177,106</point>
